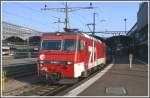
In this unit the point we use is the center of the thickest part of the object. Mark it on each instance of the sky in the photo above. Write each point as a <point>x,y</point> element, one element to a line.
<point>109,15</point>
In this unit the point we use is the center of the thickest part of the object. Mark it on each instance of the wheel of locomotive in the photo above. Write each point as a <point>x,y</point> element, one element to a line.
<point>92,70</point>
<point>99,67</point>
<point>85,74</point>
<point>102,66</point>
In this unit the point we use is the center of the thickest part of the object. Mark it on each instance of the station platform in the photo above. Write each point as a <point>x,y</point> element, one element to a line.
<point>8,61</point>
<point>117,79</point>
<point>14,87</point>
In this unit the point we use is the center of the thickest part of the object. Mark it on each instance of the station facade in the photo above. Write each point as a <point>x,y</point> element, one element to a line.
<point>139,33</point>
<point>18,37</point>
<point>12,30</point>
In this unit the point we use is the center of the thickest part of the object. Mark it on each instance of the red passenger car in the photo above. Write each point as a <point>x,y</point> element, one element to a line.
<point>69,55</point>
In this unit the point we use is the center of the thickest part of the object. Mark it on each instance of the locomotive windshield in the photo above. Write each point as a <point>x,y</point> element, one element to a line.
<point>64,45</point>
<point>69,45</point>
<point>51,44</point>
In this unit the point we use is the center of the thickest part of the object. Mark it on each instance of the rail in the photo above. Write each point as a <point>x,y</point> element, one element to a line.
<point>45,89</point>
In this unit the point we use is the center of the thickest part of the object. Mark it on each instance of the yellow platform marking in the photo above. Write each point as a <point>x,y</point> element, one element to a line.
<point>3,79</point>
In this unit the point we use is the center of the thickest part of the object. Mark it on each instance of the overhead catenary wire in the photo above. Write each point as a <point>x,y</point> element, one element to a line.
<point>27,18</point>
<point>40,12</point>
<point>83,20</point>
<point>66,10</point>
<point>32,9</point>
<point>87,21</point>
<point>35,10</point>
<point>20,16</point>
<point>77,19</point>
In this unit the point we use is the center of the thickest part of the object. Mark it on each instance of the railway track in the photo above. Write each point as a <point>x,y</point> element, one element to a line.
<point>45,90</point>
<point>19,90</point>
<point>36,89</point>
<point>41,89</point>
<point>52,90</point>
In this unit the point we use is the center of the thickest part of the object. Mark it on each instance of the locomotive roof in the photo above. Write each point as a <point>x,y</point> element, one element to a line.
<point>64,33</point>
<point>74,33</point>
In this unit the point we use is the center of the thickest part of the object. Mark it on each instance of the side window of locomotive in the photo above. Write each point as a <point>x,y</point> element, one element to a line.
<point>81,45</point>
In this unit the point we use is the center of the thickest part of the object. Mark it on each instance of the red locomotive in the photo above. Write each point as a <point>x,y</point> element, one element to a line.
<point>69,55</point>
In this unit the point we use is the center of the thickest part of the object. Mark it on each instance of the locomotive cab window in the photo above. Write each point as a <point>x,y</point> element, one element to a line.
<point>72,45</point>
<point>69,45</point>
<point>51,44</point>
<point>64,45</point>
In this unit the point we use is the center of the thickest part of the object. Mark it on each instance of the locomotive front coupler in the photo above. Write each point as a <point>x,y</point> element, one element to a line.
<point>55,77</point>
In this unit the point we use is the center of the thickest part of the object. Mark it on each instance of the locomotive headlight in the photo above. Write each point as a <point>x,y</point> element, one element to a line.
<point>44,69</point>
<point>69,63</point>
<point>42,57</point>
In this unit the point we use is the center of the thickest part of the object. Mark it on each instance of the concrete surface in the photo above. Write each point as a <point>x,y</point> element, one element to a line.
<point>6,61</point>
<point>120,80</point>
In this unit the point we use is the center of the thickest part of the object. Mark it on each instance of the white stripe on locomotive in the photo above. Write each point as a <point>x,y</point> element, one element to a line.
<point>78,69</point>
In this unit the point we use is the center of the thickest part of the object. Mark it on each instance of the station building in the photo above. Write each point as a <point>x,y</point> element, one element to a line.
<point>16,36</point>
<point>139,33</point>
<point>10,30</point>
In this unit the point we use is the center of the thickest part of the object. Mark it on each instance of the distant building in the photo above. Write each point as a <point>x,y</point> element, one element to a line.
<point>139,32</point>
<point>142,15</point>
<point>12,30</point>
<point>15,37</point>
